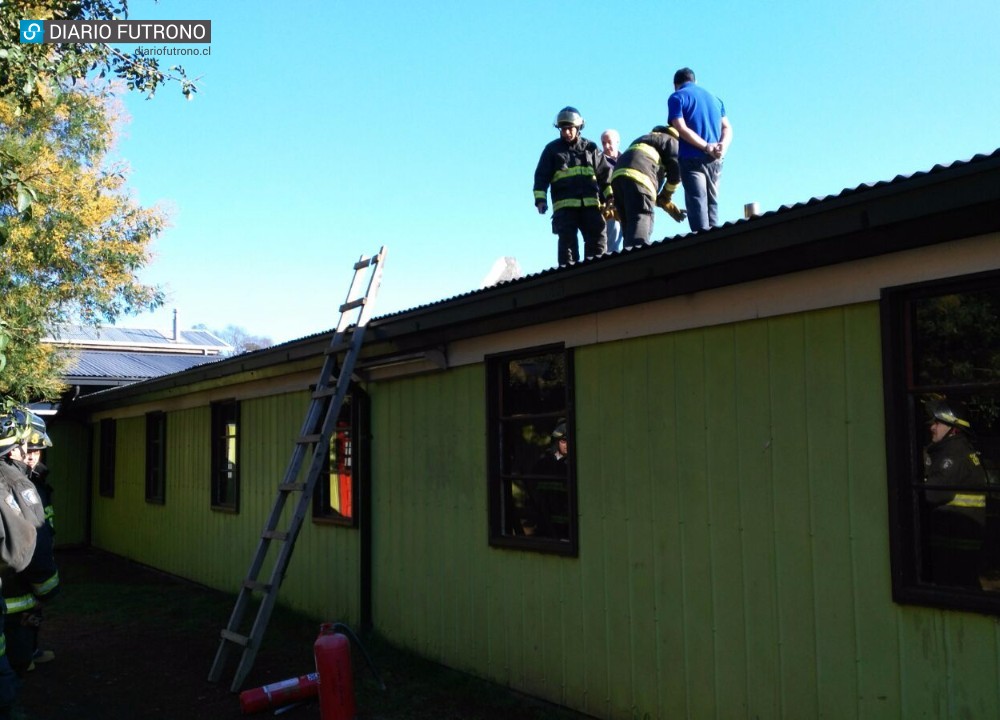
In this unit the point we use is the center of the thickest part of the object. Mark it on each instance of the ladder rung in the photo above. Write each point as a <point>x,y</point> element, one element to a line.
<point>309,439</point>
<point>353,304</point>
<point>324,392</point>
<point>256,585</point>
<point>362,264</point>
<point>292,487</point>
<point>235,637</point>
<point>274,535</point>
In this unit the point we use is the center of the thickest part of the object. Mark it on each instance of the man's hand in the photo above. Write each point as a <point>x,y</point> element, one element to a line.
<point>543,207</point>
<point>610,212</point>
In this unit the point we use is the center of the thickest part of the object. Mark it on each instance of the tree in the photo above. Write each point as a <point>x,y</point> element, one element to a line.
<point>240,340</point>
<point>71,239</point>
<point>74,253</point>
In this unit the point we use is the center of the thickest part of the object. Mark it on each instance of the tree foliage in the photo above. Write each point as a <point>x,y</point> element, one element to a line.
<point>71,237</point>
<point>73,254</point>
<point>37,75</point>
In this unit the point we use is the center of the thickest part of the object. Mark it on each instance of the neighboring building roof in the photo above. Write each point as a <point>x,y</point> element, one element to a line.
<point>111,356</point>
<point>943,204</point>
<point>199,342</point>
<point>102,367</point>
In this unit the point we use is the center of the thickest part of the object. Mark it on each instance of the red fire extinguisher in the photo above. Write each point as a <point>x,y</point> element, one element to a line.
<point>279,693</point>
<point>332,651</point>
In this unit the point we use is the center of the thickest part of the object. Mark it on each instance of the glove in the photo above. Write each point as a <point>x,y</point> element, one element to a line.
<point>673,211</point>
<point>543,207</point>
<point>30,619</point>
<point>610,212</point>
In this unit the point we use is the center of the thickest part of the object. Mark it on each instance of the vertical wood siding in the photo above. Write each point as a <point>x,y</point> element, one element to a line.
<point>734,558</point>
<point>185,537</point>
<point>68,475</point>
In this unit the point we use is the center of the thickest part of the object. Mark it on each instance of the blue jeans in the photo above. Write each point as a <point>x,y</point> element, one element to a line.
<point>614,236</point>
<point>701,177</point>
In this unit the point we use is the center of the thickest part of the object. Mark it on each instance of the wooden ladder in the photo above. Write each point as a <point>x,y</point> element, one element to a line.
<point>320,421</point>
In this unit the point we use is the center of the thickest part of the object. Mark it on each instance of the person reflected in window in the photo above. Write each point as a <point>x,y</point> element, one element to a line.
<point>547,505</point>
<point>957,516</point>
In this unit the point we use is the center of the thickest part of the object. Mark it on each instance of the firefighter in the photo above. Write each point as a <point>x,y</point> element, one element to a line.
<point>17,544</point>
<point>547,506</point>
<point>957,502</point>
<point>580,179</point>
<point>638,183</point>
<point>25,591</point>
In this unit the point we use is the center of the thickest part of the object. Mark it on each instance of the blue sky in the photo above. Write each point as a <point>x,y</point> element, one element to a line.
<point>324,130</point>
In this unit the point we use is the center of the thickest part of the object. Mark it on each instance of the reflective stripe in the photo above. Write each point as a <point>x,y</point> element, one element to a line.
<point>576,203</point>
<point>968,500</point>
<point>21,603</point>
<point>636,176</point>
<point>3,645</point>
<point>584,170</point>
<point>647,150</point>
<point>44,588</point>
<point>608,192</point>
<point>539,195</point>
<point>673,187</point>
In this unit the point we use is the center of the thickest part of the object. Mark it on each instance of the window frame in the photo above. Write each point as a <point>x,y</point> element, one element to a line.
<point>496,479</point>
<point>904,444</point>
<point>224,411</point>
<point>156,457</point>
<point>108,430</point>
<point>354,412</point>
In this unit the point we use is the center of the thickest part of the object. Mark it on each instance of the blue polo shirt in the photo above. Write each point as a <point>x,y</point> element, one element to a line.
<point>703,113</point>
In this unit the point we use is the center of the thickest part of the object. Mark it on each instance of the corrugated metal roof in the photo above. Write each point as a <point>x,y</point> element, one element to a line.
<point>96,364</point>
<point>111,335</point>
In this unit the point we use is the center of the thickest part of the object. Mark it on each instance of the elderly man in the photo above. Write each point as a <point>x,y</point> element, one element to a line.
<point>610,142</point>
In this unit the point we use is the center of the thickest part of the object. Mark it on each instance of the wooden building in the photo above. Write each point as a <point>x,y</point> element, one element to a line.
<point>740,528</point>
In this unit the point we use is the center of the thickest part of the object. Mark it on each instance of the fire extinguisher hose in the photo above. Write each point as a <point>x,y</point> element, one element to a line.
<point>341,627</point>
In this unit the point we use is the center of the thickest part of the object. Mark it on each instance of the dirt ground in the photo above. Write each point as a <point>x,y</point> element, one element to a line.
<point>131,643</point>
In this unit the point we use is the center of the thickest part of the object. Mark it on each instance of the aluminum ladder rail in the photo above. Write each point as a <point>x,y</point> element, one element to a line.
<point>320,421</point>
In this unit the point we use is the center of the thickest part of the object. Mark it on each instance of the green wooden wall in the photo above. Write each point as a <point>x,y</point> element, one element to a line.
<point>68,475</point>
<point>734,558</point>
<point>185,537</point>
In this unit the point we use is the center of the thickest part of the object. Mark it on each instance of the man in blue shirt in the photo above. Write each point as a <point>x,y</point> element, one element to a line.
<point>705,133</point>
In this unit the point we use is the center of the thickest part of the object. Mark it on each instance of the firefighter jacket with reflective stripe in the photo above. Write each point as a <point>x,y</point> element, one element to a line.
<point>954,462</point>
<point>578,173</point>
<point>38,582</point>
<point>38,579</point>
<point>39,476</point>
<point>648,160</point>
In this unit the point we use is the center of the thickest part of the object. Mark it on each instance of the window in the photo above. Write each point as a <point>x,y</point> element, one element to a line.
<point>225,455</point>
<point>942,385</point>
<point>106,472</point>
<point>156,457</point>
<point>335,497</point>
<point>532,475</point>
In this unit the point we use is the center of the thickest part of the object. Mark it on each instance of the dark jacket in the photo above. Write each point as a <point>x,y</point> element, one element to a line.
<point>953,462</point>
<point>578,173</point>
<point>23,588</point>
<point>648,160</point>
